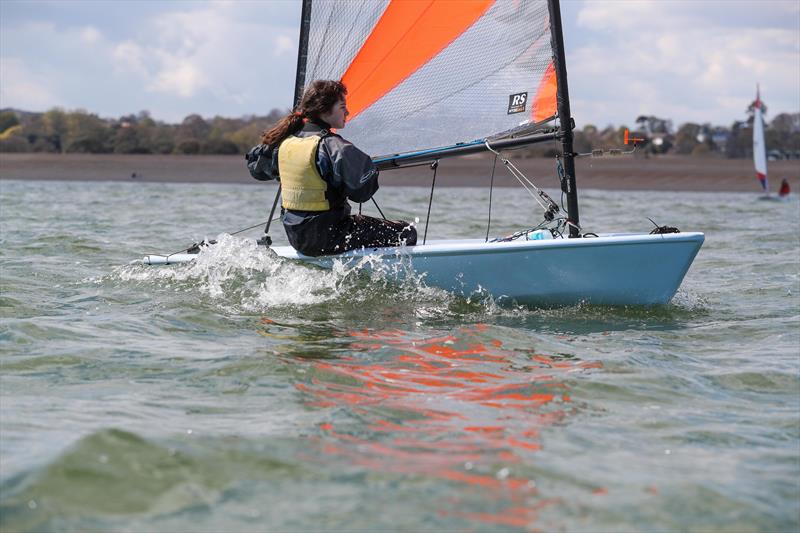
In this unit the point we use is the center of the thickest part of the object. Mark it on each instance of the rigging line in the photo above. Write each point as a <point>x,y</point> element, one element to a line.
<point>511,168</point>
<point>255,226</point>
<point>266,239</point>
<point>524,186</point>
<point>434,167</point>
<point>234,233</point>
<point>539,193</point>
<point>272,211</point>
<point>524,176</point>
<point>378,207</point>
<point>491,188</point>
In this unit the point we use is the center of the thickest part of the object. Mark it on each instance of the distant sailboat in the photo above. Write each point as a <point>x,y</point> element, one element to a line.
<point>760,154</point>
<point>759,147</point>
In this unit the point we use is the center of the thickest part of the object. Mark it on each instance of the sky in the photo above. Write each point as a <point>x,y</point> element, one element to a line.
<point>685,60</point>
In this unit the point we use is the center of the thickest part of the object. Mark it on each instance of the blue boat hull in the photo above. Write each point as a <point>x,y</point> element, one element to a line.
<point>608,270</point>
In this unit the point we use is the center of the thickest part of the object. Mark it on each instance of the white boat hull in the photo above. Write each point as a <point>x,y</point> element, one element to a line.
<point>607,270</point>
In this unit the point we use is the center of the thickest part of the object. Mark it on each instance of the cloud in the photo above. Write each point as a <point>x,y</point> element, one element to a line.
<point>22,88</point>
<point>212,58</point>
<point>207,49</point>
<point>90,35</point>
<point>284,45</point>
<point>129,57</point>
<point>685,61</point>
<point>178,77</point>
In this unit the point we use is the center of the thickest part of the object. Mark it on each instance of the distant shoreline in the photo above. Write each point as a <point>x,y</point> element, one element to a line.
<point>664,173</point>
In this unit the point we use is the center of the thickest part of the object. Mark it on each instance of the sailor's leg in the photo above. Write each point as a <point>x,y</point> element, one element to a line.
<point>375,232</point>
<point>360,231</point>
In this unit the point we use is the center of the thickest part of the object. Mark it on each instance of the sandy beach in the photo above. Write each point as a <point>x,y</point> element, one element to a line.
<point>617,173</point>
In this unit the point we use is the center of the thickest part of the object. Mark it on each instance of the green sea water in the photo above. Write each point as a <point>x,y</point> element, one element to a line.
<point>244,392</point>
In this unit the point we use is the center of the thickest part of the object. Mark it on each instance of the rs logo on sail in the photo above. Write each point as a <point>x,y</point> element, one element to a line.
<point>516,102</point>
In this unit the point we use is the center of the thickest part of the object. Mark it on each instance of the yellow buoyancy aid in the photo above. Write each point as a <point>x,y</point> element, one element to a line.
<point>302,187</point>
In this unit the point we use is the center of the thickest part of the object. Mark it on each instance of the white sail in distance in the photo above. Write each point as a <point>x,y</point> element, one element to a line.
<point>759,147</point>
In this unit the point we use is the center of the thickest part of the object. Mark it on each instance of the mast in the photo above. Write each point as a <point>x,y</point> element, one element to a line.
<point>564,117</point>
<point>302,52</point>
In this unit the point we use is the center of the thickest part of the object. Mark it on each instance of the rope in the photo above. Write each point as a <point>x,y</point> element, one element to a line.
<point>434,167</point>
<point>378,207</point>
<point>542,198</point>
<point>255,225</point>
<point>234,233</point>
<point>520,177</point>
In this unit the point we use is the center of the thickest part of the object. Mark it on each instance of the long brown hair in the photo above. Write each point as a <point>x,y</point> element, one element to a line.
<point>318,98</point>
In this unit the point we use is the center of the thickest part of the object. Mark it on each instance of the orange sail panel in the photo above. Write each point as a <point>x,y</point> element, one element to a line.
<point>545,104</point>
<point>407,36</point>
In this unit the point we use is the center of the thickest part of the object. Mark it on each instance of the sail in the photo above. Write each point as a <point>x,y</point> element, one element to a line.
<point>759,148</point>
<point>424,74</point>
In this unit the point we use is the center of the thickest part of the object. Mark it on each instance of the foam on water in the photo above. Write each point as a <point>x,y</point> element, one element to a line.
<point>242,276</point>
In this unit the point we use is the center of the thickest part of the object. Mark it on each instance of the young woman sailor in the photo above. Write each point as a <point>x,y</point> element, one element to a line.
<point>319,172</point>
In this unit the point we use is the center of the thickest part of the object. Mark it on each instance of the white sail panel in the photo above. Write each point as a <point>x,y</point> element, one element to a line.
<point>759,147</point>
<point>338,30</point>
<point>492,75</point>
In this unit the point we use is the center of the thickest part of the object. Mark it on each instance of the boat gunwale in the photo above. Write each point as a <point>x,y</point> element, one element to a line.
<point>467,247</point>
<point>461,247</point>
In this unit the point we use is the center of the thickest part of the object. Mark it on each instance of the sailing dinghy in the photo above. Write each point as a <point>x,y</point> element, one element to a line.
<point>760,148</point>
<point>433,79</point>
<point>760,154</point>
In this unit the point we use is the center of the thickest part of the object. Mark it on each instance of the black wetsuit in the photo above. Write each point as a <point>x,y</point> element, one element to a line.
<point>350,174</point>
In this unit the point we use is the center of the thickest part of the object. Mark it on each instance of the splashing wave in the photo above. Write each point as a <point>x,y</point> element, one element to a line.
<point>240,273</point>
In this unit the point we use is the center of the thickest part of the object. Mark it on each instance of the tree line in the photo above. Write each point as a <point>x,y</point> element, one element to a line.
<point>782,138</point>
<point>60,131</point>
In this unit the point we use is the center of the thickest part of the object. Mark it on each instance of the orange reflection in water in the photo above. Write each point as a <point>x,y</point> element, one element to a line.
<point>458,408</point>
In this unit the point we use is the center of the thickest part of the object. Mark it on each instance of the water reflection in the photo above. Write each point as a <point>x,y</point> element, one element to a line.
<point>458,408</point>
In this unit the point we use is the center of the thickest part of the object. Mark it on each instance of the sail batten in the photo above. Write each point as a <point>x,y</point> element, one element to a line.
<point>433,73</point>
